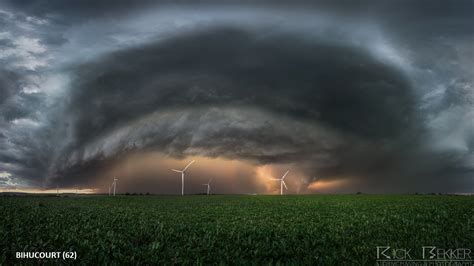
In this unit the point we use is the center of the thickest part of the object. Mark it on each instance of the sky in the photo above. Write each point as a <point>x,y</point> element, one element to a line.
<point>371,96</point>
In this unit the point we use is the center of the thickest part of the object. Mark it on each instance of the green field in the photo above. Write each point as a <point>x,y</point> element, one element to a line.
<point>324,229</point>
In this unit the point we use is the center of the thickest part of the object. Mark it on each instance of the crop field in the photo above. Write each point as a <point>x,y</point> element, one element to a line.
<point>323,229</point>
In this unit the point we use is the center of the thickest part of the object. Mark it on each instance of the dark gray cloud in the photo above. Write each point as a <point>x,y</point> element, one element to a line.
<point>342,87</point>
<point>7,85</point>
<point>76,9</point>
<point>404,9</point>
<point>326,86</point>
<point>336,88</point>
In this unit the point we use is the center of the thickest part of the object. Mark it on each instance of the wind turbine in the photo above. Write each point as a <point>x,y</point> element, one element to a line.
<point>182,176</point>
<point>114,184</point>
<point>282,182</point>
<point>208,184</point>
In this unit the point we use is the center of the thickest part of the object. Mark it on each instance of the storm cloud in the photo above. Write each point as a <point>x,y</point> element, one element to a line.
<point>335,90</point>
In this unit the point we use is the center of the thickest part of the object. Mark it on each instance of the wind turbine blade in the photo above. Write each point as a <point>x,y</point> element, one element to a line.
<point>283,177</point>
<point>177,171</point>
<point>284,184</point>
<point>188,165</point>
<point>210,180</point>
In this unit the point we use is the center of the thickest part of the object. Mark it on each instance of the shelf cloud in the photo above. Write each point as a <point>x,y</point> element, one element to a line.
<point>338,91</point>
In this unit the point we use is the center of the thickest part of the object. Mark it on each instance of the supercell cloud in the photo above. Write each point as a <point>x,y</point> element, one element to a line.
<point>377,95</point>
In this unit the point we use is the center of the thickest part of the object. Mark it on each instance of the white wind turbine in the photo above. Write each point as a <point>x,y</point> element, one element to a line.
<point>208,184</point>
<point>114,185</point>
<point>282,182</point>
<point>182,176</point>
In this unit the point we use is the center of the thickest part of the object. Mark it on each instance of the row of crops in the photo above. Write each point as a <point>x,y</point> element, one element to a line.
<point>329,229</point>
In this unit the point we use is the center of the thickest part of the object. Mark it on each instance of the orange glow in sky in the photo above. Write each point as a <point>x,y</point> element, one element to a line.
<point>326,185</point>
<point>151,172</point>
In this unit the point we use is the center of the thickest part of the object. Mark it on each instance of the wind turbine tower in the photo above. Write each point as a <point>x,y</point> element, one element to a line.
<point>282,182</point>
<point>114,184</point>
<point>208,184</point>
<point>182,175</point>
